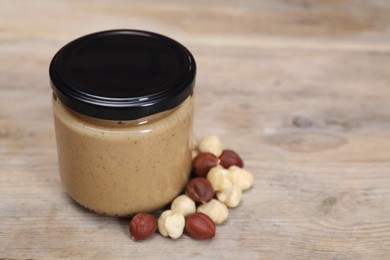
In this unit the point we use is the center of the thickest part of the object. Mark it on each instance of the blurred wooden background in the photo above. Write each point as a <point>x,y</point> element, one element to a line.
<point>300,88</point>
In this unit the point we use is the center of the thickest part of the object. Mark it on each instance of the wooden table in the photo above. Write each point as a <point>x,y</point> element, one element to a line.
<point>299,88</point>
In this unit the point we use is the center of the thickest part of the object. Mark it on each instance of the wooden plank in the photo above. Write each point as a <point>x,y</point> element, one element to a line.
<point>298,88</point>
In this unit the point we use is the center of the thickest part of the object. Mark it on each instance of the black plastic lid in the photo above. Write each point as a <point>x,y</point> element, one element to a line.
<point>122,74</point>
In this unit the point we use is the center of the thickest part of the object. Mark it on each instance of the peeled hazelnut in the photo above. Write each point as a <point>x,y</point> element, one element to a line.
<point>229,158</point>
<point>194,145</point>
<point>200,190</point>
<point>194,154</point>
<point>203,162</point>
<point>240,177</point>
<point>211,144</point>
<point>217,176</point>
<point>184,205</point>
<point>216,210</point>
<point>200,226</point>
<point>175,225</point>
<point>231,197</point>
<point>171,224</point>
<point>142,226</point>
<point>161,222</point>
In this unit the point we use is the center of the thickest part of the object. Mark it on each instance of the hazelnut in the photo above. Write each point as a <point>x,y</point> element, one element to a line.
<point>240,177</point>
<point>200,190</point>
<point>171,224</point>
<point>194,154</point>
<point>161,222</point>
<point>184,205</point>
<point>142,226</point>
<point>217,176</point>
<point>216,210</point>
<point>231,197</point>
<point>193,144</point>
<point>211,144</point>
<point>229,158</point>
<point>203,162</point>
<point>200,226</point>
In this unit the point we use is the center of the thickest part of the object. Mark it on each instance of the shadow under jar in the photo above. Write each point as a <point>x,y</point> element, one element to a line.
<point>123,112</point>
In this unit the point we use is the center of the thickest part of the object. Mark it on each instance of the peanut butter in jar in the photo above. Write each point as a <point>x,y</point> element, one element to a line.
<point>123,109</point>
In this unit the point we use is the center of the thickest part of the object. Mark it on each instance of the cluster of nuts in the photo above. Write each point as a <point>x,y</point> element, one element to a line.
<point>219,182</point>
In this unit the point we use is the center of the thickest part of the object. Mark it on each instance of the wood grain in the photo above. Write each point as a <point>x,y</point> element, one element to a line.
<point>299,88</point>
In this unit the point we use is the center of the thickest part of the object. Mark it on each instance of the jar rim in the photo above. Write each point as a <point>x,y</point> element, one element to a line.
<point>122,74</point>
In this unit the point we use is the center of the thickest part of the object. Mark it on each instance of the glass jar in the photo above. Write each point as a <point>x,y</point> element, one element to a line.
<point>123,110</point>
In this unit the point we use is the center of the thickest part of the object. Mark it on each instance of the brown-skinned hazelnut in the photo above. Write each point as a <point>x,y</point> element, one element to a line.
<point>203,162</point>
<point>200,226</point>
<point>142,226</point>
<point>200,190</point>
<point>229,158</point>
